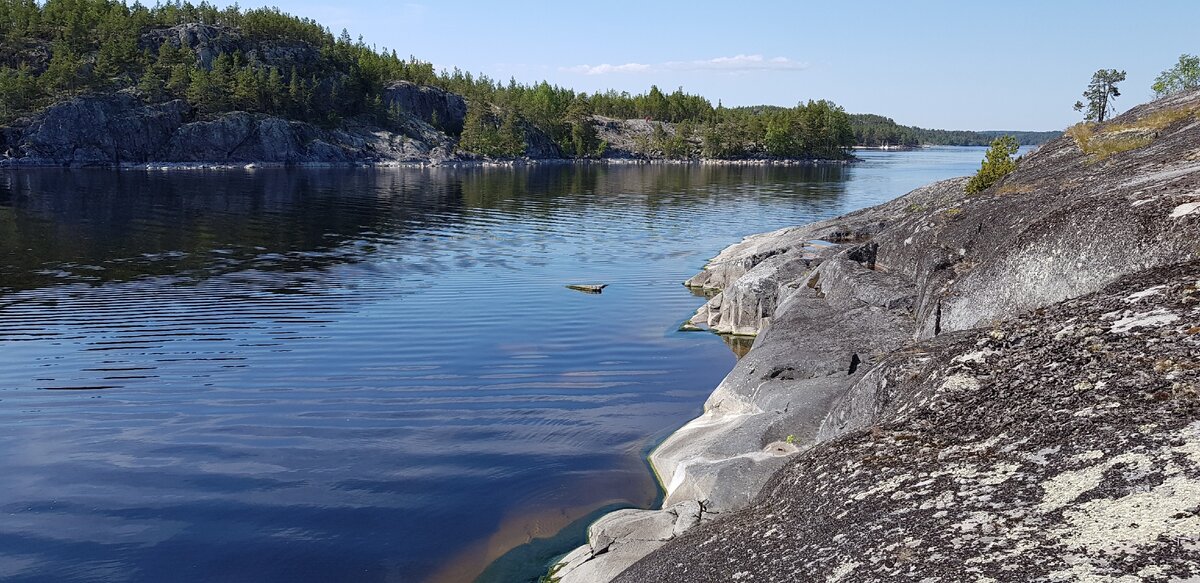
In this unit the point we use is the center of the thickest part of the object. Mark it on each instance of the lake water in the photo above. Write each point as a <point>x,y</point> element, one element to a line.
<point>368,375</point>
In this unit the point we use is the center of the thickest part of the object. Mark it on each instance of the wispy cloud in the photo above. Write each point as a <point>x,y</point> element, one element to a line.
<point>606,68</point>
<point>734,64</point>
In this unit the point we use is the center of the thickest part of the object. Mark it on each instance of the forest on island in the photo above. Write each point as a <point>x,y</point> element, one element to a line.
<point>266,61</point>
<point>875,131</point>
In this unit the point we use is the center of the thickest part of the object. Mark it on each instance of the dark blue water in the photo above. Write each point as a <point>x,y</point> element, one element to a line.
<point>318,375</point>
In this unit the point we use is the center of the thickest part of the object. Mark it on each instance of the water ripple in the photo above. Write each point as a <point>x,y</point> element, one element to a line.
<point>368,375</point>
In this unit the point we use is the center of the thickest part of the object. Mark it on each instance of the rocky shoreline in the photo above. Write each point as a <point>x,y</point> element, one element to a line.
<point>122,131</point>
<point>489,163</point>
<point>935,385</point>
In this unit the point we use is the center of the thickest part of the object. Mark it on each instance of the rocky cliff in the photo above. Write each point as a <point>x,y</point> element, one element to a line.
<point>116,129</point>
<point>128,128</point>
<point>997,387</point>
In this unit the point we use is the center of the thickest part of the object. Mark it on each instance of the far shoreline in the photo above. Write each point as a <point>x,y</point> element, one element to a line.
<point>502,163</point>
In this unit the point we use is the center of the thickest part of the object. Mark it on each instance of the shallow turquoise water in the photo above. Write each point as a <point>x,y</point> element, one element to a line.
<point>359,375</point>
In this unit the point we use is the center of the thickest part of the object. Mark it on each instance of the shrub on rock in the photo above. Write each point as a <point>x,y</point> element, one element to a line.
<point>997,163</point>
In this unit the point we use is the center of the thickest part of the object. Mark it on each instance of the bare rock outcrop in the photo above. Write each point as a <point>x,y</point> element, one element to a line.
<point>120,129</point>
<point>206,41</point>
<point>93,131</point>
<point>439,108</point>
<point>1063,445</point>
<point>868,321</point>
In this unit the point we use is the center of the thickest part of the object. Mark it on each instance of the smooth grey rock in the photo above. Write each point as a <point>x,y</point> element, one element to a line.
<point>620,538</point>
<point>835,360</point>
<point>784,386</point>
<point>1058,445</point>
<point>745,307</point>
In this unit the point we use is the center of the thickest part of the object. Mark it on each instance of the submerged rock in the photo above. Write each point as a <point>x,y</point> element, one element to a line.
<point>591,288</point>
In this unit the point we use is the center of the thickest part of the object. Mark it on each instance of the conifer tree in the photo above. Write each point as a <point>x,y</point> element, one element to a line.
<point>512,136</point>
<point>245,90</point>
<point>1100,93</point>
<point>583,135</point>
<point>64,73</point>
<point>275,90</point>
<point>178,81</point>
<point>997,163</point>
<point>151,86</point>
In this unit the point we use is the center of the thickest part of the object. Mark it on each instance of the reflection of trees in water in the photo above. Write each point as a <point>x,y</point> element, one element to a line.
<point>112,226</point>
<point>659,184</point>
<point>98,225</point>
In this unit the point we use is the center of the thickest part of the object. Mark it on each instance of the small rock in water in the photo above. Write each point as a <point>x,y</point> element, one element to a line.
<point>591,288</point>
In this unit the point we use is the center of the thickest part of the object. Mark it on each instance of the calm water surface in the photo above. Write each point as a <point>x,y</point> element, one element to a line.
<point>360,375</point>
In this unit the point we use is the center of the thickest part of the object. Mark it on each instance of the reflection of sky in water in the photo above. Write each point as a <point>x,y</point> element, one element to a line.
<point>357,375</point>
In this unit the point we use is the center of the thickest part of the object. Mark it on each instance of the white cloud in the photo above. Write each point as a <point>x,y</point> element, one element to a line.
<point>607,68</point>
<point>734,64</point>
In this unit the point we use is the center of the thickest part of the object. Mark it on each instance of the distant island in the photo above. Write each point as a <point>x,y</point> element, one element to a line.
<point>96,82</point>
<point>877,131</point>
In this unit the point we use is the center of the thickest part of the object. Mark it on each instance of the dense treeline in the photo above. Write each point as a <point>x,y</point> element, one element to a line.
<point>264,60</point>
<point>817,129</point>
<point>64,47</point>
<point>876,130</point>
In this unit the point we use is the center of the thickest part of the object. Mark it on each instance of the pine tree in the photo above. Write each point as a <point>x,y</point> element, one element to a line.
<point>511,135</point>
<point>275,91</point>
<point>169,55</point>
<point>496,138</point>
<point>1100,93</point>
<point>245,90</point>
<point>205,93</point>
<point>151,86</point>
<point>64,73</point>
<point>118,49</point>
<point>10,102</point>
<point>778,138</point>
<point>659,136</point>
<point>712,141</point>
<point>583,135</point>
<point>221,77</point>
<point>178,81</point>
<point>997,164</point>
<point>294,93</point>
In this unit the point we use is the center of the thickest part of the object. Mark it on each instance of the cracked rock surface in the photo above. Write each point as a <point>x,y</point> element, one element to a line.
<point>912,359</point>
<point>1063,445</point>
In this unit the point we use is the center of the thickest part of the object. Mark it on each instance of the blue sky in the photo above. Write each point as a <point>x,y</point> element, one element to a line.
<point>943,64</point>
